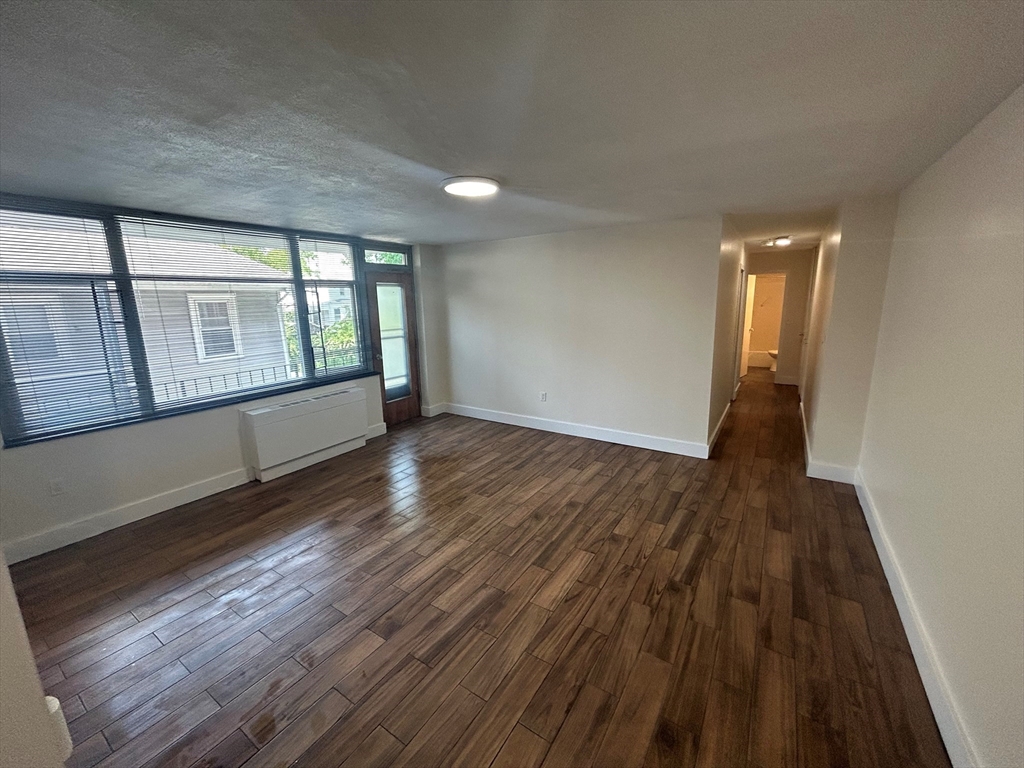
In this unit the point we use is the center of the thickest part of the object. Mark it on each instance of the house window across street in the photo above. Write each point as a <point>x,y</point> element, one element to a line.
<point>215,326</point>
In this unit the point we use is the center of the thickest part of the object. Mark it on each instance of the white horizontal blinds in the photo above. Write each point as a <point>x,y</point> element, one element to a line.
<point>211,339</point>
<point>65,362</point>
<point>40,242</point>
<point>155,247</point>
<point>326,260</point>
<point>67,355</point>
<point>328,270</point>
<point>216,308</point>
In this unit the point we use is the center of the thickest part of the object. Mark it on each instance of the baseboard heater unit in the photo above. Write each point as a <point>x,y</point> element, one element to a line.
<point>282,438</point>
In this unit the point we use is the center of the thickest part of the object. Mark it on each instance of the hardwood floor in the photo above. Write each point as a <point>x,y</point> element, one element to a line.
<point>470,594</point>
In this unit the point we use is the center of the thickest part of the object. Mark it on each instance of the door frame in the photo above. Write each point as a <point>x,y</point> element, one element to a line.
<point>748,321</point>
<point>407,407</point>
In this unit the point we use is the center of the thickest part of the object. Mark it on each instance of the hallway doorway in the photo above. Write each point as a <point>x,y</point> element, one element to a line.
<point>762,321</point>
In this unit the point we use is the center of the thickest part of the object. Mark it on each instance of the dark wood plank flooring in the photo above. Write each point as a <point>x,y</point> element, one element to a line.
<point>473,594</point>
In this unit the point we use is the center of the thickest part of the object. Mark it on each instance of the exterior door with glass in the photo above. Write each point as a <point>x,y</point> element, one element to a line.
<point>393,337</point>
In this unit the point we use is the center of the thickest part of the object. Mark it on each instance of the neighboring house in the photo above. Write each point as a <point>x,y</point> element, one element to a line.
<point>201,336</point>
<point>208,337</point>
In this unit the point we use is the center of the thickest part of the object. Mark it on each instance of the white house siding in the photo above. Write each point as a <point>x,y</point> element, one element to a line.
<point>86,372</point>
<point>177,369</point>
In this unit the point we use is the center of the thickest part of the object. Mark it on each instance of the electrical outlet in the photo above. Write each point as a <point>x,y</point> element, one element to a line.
<point>58,487</point>
<point>543,397</point>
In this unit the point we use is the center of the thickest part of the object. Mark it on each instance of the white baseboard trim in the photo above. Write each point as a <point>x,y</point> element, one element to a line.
<point>807,438</point>
<point>62,535</point>
<point>434,410</point>
<point>635,439</point>
<point>718,429</point>
<point>947,716</point>
<point>834,472</point>
<point>736,391</point>
<point>819,469</point>
<point>376,430</point>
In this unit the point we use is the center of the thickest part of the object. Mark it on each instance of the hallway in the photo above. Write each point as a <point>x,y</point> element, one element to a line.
<point>462,592</point>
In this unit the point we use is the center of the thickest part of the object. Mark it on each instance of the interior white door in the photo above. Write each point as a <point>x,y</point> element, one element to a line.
<point>741,308</point>
<point>748,321</point>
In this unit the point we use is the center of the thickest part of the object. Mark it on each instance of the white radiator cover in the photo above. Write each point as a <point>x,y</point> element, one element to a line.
<point>278,439</point>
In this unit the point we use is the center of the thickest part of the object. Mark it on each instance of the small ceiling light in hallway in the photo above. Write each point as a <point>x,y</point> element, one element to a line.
<point>781,242</point>
<point>470,186</point>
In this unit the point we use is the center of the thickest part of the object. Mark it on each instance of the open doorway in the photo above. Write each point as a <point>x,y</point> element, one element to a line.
<point>762,322</point>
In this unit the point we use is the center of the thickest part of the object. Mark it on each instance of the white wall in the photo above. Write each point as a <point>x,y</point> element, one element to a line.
<point>942,462</point>
<point>118,475</point>
<point>822,288</point>
<point>432,309</point>
<point>852,266</point>
<point>27,736</point>
<point>797,266</point>
<point>616,324</point>
<point>727,316</point>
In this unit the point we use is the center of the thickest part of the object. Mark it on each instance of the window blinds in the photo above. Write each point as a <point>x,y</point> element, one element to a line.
<point>108,318</point>
<point>216,308</point>
<point>66,360</point>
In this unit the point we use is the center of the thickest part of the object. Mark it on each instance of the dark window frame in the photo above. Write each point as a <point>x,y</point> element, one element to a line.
<point>13,433</point>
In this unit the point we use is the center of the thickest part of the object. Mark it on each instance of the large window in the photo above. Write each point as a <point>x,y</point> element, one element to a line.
<point>215,306</point>
<point>108,318</point>
<point>328,270</point>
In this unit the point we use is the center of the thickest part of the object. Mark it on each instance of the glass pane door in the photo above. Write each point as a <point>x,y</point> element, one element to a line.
<point>394,343</point>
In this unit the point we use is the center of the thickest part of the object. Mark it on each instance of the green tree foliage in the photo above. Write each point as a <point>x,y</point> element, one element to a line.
<point>385,257</point>
<point>275,258</point>
<point>279,259</point>
<point>339,344</point>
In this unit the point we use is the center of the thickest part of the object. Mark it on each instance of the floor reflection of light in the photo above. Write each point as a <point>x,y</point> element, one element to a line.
<point>403,481</point>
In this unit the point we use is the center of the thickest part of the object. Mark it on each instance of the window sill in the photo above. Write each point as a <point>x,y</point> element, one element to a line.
<point>205,405</point>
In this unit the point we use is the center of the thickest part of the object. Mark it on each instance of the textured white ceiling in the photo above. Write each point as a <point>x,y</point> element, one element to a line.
<point>346,117</point>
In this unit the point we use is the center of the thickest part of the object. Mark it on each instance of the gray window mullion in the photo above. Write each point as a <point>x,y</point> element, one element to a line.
<point>362,305</point>
<point>132,324</point>
<point>301,308</point>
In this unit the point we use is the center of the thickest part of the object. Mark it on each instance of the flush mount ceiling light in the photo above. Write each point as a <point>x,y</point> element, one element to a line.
<point>470,186</point>
<point>781,242</point>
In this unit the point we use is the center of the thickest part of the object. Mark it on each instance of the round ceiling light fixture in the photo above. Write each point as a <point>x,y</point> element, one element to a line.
<point>469,186</point>
<point>781,242</point>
